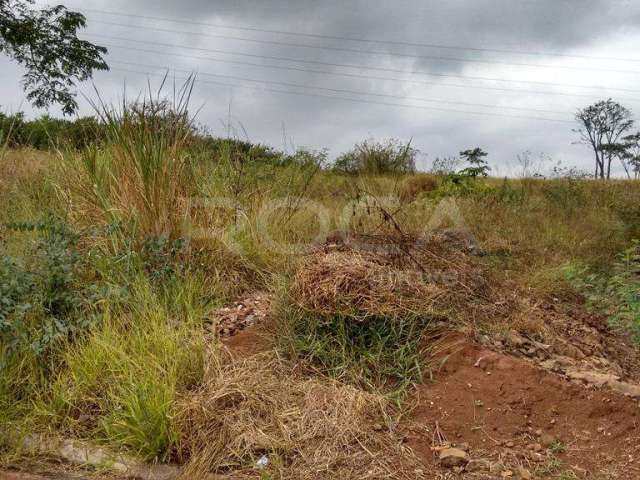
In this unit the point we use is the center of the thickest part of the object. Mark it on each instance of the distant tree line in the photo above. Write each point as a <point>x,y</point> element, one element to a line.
<point>47,132</point>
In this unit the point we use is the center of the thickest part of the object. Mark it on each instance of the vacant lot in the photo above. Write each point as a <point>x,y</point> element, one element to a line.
<point>256,316</point>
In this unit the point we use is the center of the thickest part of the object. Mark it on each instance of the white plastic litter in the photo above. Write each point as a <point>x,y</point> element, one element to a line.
<point>262,462</point>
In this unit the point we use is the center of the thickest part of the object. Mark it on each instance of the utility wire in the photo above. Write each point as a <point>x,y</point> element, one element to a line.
<point>341,90</point>
<point>362,40</point>
<point>348,99</point>
<point>369,52</point>
<point>269,57</point>
<point>279,67</point>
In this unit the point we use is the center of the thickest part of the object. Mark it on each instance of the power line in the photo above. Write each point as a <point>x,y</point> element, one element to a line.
<point>279,67</point>
<point>342,91</point>
<point>363,40</point>
<point>370,52</point>
<point>330,64</point>
<point>355,100</point>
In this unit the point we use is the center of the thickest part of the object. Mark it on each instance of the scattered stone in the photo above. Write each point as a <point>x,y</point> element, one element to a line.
<point>515,339</point>
<point>626,388</point>
<point>228,321</point>
<point>594,378</point>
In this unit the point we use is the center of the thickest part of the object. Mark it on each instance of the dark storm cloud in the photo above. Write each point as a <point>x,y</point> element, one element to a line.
<point>508,24</point>
<point>561,26</point>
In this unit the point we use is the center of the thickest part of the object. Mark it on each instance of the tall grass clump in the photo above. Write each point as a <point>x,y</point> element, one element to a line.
<point>120,383</point>
<point>140,176</point>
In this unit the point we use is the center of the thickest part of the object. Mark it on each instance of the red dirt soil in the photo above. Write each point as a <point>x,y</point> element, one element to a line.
<point>501,406</point>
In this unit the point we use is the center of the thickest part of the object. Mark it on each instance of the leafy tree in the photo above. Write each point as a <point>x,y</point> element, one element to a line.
<point>45,42</point>
<point>603,125</point>
<point>632,152</point>
<point>476,158</point>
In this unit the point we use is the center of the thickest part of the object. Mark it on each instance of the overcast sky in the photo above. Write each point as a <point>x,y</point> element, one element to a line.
<point>563,47</point>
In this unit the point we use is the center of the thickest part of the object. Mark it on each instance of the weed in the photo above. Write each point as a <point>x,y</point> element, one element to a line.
<point>616,294</point>
<point>42,298</point>
<point>557,447</point>
<point>379,354</point>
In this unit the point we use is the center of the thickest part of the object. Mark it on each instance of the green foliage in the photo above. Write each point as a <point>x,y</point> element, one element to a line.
<point>120,383</point>
<point>475,158</point>
<point>42,297</point>
<point>159,257</point>
<point>45,42</point>
<point>602,125</point>
<point>557,447</point>
<point>47,132</point>
<point>379,353</point>
<point>618,294</point>
<point>17,287</point>
<point>461,183</point>
<point>464,181</point>
<point>371,157</point>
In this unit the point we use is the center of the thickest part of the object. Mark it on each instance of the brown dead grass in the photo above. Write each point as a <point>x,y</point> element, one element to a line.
<point>360,285</point>
<point>395,280</point>
<point>309,428</point>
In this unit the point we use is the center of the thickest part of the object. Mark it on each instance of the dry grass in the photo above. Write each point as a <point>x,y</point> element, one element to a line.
<point>309,428</point>
<point>392,278</point>
<point>359,285</point>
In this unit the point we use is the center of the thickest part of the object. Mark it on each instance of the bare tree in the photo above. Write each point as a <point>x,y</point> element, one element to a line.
<point>602,126</point>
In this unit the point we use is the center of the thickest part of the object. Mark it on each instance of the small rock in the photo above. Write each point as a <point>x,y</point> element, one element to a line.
<point>626,388</point>
<point>478,465</point>
<point>515,339</point>
<point>595,378</point>
<point>524,473</point>
<point>262,462</point>
<point>453,457</point>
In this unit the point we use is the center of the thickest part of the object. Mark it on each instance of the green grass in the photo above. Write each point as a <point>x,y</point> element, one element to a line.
<point>379,354</point>
<point>120,383</point>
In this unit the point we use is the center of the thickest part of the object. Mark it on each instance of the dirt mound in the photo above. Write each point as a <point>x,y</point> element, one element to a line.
<point>518,420</point>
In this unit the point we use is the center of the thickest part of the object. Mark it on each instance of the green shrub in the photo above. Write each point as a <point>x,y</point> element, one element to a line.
<point>41,296</point>
<point>372,157</point>
<point>618,294</point>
